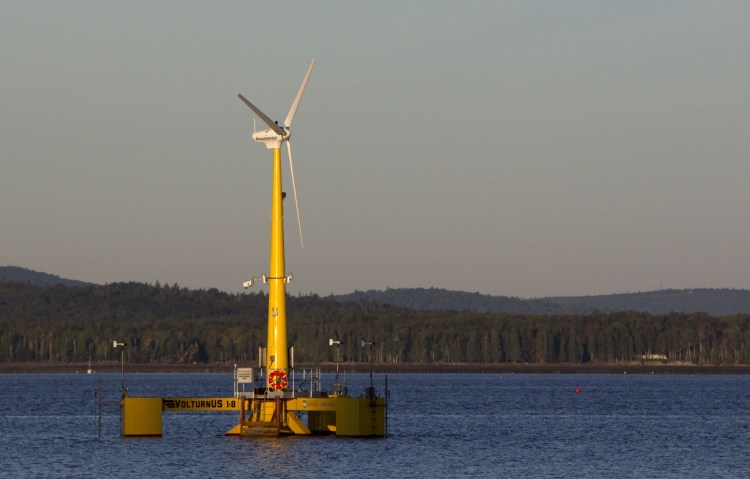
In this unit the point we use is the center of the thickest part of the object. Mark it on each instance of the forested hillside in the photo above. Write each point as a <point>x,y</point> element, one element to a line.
<point>718,302</point>
<point>169,324</point>
<point>29,276</point>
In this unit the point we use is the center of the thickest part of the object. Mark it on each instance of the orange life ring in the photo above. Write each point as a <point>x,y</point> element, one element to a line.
<point>277,380</point>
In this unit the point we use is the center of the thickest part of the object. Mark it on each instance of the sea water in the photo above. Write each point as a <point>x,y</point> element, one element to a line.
<point>440,425</point>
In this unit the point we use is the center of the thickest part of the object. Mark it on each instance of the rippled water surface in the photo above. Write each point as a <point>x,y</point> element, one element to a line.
<point>441,425</point>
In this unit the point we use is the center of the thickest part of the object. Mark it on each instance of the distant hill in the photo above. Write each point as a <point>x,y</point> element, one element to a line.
<point>717,302</point>
<point>713,301</point>
<point>35,278</point>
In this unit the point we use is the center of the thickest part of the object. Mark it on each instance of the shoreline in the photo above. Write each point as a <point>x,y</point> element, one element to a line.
<point>465,368</point>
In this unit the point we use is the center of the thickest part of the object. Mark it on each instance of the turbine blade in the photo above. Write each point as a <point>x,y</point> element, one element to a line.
<point>293,109</point>
<point>268,121</point>
<point>294,189</point>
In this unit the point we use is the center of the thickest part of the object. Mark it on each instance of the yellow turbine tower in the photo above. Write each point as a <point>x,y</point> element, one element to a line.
<point>277,357</point>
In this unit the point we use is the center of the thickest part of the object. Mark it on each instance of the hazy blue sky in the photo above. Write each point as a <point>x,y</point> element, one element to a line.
<point>517,148</point>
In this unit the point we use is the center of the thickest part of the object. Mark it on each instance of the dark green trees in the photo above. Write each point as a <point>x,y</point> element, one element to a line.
<point>168,324</point>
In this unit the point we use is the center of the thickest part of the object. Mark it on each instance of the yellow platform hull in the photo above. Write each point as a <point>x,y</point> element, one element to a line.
<point>339,415</point>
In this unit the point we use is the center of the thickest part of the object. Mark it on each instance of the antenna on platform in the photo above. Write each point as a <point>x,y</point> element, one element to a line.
<point>275,135</point>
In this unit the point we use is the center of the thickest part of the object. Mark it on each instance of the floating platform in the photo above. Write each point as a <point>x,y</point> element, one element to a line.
<point>272,413</point>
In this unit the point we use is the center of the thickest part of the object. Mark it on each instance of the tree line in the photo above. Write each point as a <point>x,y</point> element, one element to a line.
<point>170,324</point>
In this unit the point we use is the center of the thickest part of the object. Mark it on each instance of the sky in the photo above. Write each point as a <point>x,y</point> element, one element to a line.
<point>518,148</point>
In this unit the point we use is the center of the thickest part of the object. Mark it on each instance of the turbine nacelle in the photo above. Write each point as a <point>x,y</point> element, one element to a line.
<point>271,138</point>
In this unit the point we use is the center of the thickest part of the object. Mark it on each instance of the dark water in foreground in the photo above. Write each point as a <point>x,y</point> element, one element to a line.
<point>441,425</point>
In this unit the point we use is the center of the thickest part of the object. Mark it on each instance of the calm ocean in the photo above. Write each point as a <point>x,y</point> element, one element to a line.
<point>441,425</point>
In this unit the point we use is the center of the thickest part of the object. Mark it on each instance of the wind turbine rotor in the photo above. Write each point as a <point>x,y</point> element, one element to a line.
<point>284,133</point>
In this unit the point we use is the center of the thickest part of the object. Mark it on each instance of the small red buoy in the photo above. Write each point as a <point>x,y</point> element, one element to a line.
<point>578,390</point>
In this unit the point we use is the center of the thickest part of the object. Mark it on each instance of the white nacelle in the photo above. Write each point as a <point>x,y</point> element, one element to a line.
<point>270,138</point>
